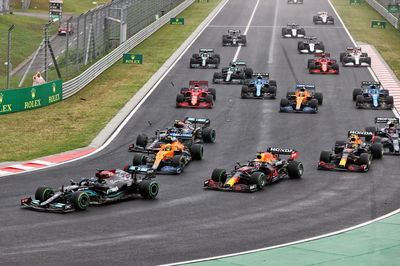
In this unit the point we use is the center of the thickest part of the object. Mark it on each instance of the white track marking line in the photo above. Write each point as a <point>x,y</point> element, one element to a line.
<point>4,173</point>
<point>272,42</point>
<point>23,167</point>
<point>126,120</point>
<point>266,26</point>
<point>42,162</point>
<point>235,57</point>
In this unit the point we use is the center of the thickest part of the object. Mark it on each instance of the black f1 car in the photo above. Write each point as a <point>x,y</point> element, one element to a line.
<point>355,57</point>
<point>371,95</point>
<point>191,129</point>
<point>304,99</point>
<point>107,186</point>
<point>323,18</point>
<point>265,169</point>
<point>389,134</point>
<point>295,1</point>
<point>293,30</point>
<point>234,38</point>
<point>205,59</point>
<point>261,87</point>
<point>311,45</point>
<point>236,73</point>
<point>353,154</point>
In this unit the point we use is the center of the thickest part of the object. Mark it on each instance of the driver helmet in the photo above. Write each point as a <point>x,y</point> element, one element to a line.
<point>354,139</point>
<point>179,124</point>
<point>168,148</point>
<point>390,124</point>
<point>197,86</point>
<point>302,89</point>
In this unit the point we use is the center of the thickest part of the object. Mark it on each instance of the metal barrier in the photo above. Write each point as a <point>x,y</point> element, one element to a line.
<point>384,12</point>
<point>76,84</point>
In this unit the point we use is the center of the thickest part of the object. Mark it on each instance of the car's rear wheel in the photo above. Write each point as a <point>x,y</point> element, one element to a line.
<point>43,193</point>
<point>142,140</point>
<point>213,92</point>
<point>295,169</point>
<point>208,135</point>
<point>319,97</point>
<point>248,72</point>
<point>377,150</point>
<point>80,200</point>
<point>148,189</point>
<point>209,98</point>
<point>196,150</point>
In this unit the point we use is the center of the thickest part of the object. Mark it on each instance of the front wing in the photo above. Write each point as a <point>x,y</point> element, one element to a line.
<point>200,105</point>
<point>211,184</point>
<point>349,167</point>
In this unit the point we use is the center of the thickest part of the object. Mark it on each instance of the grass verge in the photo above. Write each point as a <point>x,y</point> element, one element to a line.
<point>358,21</point>
<point>69,6</point>
<point>73,123</point>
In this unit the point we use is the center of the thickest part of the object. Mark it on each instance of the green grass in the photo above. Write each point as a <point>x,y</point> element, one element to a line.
<point>73,123</point>
<point>69,6</point>
<point>358,20</point>
<point>25,39</point>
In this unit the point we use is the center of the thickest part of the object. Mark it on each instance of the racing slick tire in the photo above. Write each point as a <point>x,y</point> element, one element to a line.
<point>217,75</point>
<point>245,90</point>
<point>213,92</point>
<point>180,98</point>
<point>342,55</point>
<point>284,32</point>
<point>192,62</point>
<point>43,193</point>
<point>389,100</point>
<point>377,150</point>
<point>218,57</point>
<point>218,175</point>
<point>335,66</point>
<point>148,189</point>
<point>320,46</point>
<point>364,159</point>
<point>301,32</point>
<point>80,200</point>
<point>295,169</point>
<point>284,102</point>
<point>225,40</point>
<point>309,62</point>
<point>178,161</point>
<point>314,103</point>
<point>272,91</point>
<point>209,98</point>
<point>330,18</point>
<point>300,46</point>
<point>208,135</point>
<point>315,19</point>
<point>360,100</point>
<point>371,129</point>
<point>319,97</point>
<point>356,92</point>
<point>259,179</point>
<point>243,40</point>
<point>196,150</point>
<point>248,73</point>
<point>141,140</point>
<point>368,60</point>
<point>312,66</point>
<point>139,159</point>
<point>325,156</point>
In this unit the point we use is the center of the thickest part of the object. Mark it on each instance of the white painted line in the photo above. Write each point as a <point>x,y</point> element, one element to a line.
<point>288,244</point>
<point>4,173</point>
<point>42,162</point>
<point>273,35</point>
<point>235,57</point>
<point>122,125</point>
<point>266,26</point>
<point>22,167</point>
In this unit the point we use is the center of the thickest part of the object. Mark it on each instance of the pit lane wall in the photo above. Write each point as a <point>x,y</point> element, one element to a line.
<point>16,100</point>
<point>384,12</point>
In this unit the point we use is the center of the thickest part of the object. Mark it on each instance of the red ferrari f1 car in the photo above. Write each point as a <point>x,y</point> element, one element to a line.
<point>197,95</point>
<point>322,64</point>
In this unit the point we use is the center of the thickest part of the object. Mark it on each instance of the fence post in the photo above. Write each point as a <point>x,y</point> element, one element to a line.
<point>9,56</point>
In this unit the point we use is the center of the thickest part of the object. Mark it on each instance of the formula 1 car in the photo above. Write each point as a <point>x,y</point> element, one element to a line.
<point>310,45</point>
<point>107,186</point>
<point>323,18</point>
<point>354,154</point>
<point>170,158</point>
<point>234,38</point>
<point>261,87</point>
<point>295,1</point>
<point>322,64</point>
<point>236,73</point>
<point>372,96</point>
<point>267,168</point>
<point>187,131</point>
<point>304,99</point>
<point>205,59</point>
<point>293,30</point>
<point>198,95</point>
<point>354,57</point>
<point>389,134</point>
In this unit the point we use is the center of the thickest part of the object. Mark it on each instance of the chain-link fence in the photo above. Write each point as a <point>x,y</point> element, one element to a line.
<point>84,39</point>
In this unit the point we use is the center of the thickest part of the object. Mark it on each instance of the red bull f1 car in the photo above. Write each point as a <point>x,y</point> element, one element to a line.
<point>266,168</point>
<point>354,154</point>
<point>389,134</point>
<point>107,186</point>
<point>322,64</point>
<point>304,99</point>
<point>355,57</point>
<point>206,58</point>
<point>198,95</point>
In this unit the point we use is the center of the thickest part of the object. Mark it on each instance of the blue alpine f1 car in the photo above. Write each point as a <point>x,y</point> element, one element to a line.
<point>371,95</point>
<point>261,87</point>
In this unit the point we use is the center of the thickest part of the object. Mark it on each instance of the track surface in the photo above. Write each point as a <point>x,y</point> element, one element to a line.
<point>187,222</point>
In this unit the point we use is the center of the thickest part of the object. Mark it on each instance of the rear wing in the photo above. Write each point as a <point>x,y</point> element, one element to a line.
<point>310,37</point>
<point>206,50</point>
<point>138,169</point>
<point>293,153</point>
<point>199,83</point>
<point>239,63</point>
<point>360,133</point>
<point>394,120</point>
<point>306,86</point>
<point>180,135</point>
<point>194,120</point>
<point>349,48</point>
<point>234,31</point>
<point>368,83</point>
<point>261,74</point>
<point>322,55</point>
<point>322,13</point>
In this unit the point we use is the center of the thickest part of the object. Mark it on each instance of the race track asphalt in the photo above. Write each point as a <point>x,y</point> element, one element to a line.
<point>187,222</point>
